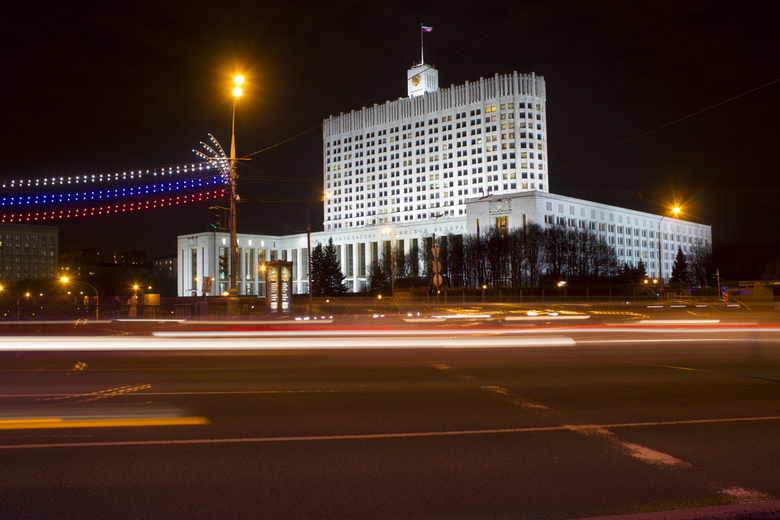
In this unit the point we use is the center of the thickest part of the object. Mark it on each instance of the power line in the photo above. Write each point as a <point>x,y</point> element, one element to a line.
<point>384,92</point>
<point>621,143</point>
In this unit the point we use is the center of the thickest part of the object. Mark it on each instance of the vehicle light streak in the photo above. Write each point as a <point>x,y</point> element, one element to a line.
<point>462,316</point>
<point>57,422</point>
<point>677,322</point>
<point>273,343</point>
<point>379,436</point>
<point>543,317</point>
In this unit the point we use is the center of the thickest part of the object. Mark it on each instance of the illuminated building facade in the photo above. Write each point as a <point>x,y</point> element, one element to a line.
<point>423,156</point>
<point>457,160</point>
<point>27,252</point>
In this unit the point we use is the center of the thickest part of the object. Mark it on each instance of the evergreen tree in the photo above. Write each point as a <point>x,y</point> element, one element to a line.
<point>333,278</point>
<point>317,284</point>
<point>640,271</point>
<point>680,268</point>
<point>378,280</point>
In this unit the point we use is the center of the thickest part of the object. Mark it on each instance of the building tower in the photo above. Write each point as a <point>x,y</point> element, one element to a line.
<point>422,78</point>
<point>423,156</point>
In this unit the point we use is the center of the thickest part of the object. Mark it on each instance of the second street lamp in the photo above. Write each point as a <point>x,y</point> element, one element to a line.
<point>308,244</point>
<point>65,279</point>
<point>388,231</point>
<point>675,211</point>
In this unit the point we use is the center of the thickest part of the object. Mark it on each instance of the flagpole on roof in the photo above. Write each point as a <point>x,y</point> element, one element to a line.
<point>423,29</point>
<point>422,55</point>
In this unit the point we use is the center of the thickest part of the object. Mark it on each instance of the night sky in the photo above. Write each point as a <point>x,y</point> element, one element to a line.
<point>649,102</point>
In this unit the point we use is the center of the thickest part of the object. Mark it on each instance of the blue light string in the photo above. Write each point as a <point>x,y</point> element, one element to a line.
<point>85,196</point>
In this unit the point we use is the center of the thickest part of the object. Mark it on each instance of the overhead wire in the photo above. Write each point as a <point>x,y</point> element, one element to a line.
<point>384,92</point>
<point>666,125</point>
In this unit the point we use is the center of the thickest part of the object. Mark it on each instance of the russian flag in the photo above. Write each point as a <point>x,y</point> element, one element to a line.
<point>427,29</point>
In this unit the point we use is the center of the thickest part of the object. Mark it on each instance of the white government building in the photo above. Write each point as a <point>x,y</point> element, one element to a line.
<point>439,161</point>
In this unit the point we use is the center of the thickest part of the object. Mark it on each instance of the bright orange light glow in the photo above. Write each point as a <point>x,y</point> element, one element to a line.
<point>64,279</point>
<point>238,80</point>
<point>676,210</point>
<point>237,91</point>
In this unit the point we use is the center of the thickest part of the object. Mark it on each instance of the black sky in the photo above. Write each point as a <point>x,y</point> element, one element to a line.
<point>638,97</point>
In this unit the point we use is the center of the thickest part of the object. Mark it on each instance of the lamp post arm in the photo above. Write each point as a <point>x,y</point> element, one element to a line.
<point>97,297</point>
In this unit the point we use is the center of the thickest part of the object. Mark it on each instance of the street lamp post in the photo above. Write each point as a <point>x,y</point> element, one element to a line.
<point>65,279</point>
<point>308,246</point>
<point>388,231</point>
<point>238,80</point>
<point>675,212</point>
<point>232,302</point>
<point>18,314</point>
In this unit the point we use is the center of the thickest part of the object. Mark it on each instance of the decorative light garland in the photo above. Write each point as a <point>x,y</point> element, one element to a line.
<point>132,191</point>
<point>111,209</point>
<point>108,177</point>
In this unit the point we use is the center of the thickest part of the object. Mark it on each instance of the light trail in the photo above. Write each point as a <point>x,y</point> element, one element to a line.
<point>60,423</point>
<point>380,436</point>
<point>245,338</point>
<point>136,343</point>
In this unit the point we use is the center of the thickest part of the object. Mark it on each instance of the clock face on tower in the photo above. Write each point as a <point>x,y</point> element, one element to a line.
<point>416,80</point>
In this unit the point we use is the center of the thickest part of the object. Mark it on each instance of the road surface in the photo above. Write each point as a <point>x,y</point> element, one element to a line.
<point>456,421</point>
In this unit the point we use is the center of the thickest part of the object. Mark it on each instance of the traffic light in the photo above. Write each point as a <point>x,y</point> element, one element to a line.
<point>217,219</point>
<point>223,265</point>
<point>214,217</point>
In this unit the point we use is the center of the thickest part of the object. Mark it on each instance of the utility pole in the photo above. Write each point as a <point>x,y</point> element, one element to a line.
<point>232,300</point>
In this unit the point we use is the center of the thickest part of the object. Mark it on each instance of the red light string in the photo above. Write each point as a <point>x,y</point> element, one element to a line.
<point>112,208</point>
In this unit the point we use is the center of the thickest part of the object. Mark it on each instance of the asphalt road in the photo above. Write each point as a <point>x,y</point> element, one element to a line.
<point>372,423</point>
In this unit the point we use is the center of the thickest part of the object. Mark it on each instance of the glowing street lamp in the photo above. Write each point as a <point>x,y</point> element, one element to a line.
<point>675,212</point>
<point>227,166</point>
<point>65,279</point>
<point>238,80</point>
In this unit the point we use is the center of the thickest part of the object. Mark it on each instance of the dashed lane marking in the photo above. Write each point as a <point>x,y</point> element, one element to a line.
<point>520,402</point>
<point>637,451</point>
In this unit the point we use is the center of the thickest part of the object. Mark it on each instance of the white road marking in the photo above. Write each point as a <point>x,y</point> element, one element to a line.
<point>637,451</point>
<point>520,402</point>
<point>745,496</point>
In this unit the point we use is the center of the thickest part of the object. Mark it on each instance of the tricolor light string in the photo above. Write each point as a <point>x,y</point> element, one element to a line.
<point>133,191</point>
<point>110,177</point>
<point>112,208</point>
